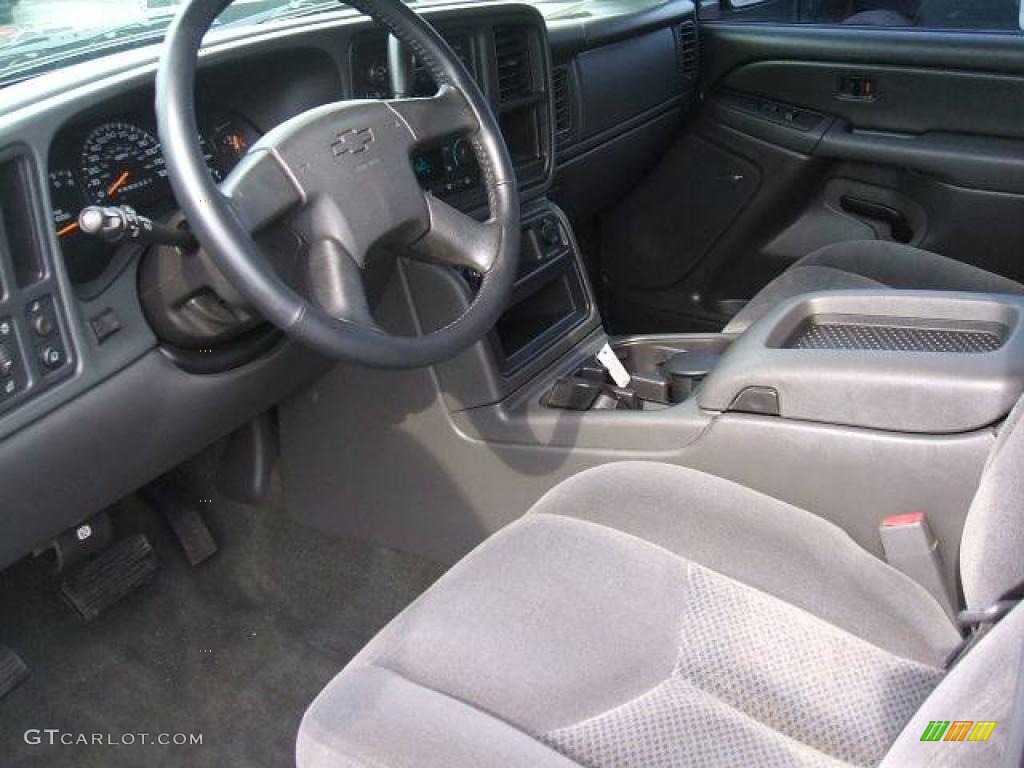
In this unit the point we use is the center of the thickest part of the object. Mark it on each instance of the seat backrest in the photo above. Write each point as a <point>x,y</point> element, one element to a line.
<point>978,691</point>
<point>992,547</point>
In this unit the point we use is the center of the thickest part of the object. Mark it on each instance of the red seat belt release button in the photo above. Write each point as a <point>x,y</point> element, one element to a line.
<point>911,549</point>
<point>907,518</point>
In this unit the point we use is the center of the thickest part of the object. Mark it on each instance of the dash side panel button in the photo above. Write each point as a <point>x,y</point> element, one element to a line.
<point>105,324</point>
<point>52,357</point>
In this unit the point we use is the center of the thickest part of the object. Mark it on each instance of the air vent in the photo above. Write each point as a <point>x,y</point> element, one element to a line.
<point>563,106</point>
<point>512,61</point>
<point>688,50</point>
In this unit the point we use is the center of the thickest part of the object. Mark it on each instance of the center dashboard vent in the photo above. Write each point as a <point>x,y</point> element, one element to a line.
<point>689,54</point>
<point>564,113</point>
<point>512,62</point>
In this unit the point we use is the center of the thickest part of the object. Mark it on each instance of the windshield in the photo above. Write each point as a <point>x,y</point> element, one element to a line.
<point>41,35</point>
<point>38,35</point>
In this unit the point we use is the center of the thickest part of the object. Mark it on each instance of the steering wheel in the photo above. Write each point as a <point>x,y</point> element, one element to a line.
<point>341,176</point>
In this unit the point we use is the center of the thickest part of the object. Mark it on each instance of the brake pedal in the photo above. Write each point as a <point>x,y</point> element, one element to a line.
<point>12,670</point>
<point>99,583</point>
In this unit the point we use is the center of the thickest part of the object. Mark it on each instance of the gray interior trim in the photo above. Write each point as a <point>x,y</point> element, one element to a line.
<point>126,431</point>
<point>930,392</point>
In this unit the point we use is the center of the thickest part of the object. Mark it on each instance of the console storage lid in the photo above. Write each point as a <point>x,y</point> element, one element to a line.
<point>902,361</point>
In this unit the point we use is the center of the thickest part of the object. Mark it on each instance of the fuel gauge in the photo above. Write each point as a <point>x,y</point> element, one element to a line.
<point>231,138</point>
<point>66,201</point>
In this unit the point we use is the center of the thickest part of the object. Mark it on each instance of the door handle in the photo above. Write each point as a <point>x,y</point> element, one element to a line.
<point>898,223</point>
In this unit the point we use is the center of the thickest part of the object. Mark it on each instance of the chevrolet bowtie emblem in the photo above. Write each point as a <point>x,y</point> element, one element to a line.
<point>352,142</point>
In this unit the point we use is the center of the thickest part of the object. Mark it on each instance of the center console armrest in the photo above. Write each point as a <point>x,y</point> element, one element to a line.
<point>904,361</point>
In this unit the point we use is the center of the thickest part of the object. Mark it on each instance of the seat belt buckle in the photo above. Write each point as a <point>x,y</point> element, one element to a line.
<point>970,620</point>
<point>911,548</point>
<point>974,625</point>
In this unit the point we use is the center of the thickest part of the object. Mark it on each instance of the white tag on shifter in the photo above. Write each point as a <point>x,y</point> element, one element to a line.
<point>613,365</point>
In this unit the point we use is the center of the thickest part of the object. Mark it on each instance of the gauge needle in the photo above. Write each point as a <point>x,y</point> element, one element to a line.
<point>118,183</point>
<point>67,229</point>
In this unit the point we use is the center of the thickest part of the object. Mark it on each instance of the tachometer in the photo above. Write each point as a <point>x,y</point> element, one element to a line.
<point>122,165</point>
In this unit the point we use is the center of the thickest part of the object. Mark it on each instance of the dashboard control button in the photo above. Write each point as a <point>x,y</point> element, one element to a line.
<point>39,314</point>
<point>462,152</point>
<point>42,325</point>
<point>6,362</point>
<point>51,356</point>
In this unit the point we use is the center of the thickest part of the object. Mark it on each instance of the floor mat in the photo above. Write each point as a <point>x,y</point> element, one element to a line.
<point>231,651</point>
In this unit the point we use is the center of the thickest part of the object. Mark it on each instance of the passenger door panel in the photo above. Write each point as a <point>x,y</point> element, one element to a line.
<point>851,133</point>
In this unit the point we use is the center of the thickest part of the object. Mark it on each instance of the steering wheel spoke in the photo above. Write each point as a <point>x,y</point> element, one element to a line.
<point>435,117</point>
<point>336,284</point>
<point>261,190</point>
<point>457,239</point>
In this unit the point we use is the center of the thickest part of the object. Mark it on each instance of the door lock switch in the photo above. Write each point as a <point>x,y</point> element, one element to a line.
<point>856,89</point>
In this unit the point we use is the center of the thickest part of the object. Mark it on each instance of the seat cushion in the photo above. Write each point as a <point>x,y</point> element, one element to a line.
<point>645,614</point>
<point>870,264</point>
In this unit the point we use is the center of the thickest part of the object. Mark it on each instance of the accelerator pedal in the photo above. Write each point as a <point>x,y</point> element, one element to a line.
<point>12,670</point>
<point>117,571</point>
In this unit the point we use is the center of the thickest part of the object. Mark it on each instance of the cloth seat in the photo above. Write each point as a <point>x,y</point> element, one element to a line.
<point>646,615</point>
<point>869,264</point>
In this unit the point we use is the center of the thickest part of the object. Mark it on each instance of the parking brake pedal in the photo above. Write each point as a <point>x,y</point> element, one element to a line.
<point>12,670</point>
<point>98,583</point>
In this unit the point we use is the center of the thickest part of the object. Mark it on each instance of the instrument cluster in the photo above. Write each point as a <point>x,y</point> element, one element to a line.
<point>118,161</point>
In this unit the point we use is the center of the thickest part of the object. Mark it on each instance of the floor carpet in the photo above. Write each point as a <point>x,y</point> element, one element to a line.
<point>234,649</point>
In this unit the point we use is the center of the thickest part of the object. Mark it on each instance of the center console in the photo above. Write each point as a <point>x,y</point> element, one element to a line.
<point>550,312</point>
<point>900,361</point>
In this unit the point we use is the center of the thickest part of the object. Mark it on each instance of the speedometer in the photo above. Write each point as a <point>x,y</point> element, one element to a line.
<point>122,165</point>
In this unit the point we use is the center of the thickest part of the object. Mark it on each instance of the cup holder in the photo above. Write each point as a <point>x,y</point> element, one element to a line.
<point>663,371</point>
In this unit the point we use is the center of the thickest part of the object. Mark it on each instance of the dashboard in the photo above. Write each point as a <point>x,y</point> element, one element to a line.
<point>94,400</point>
